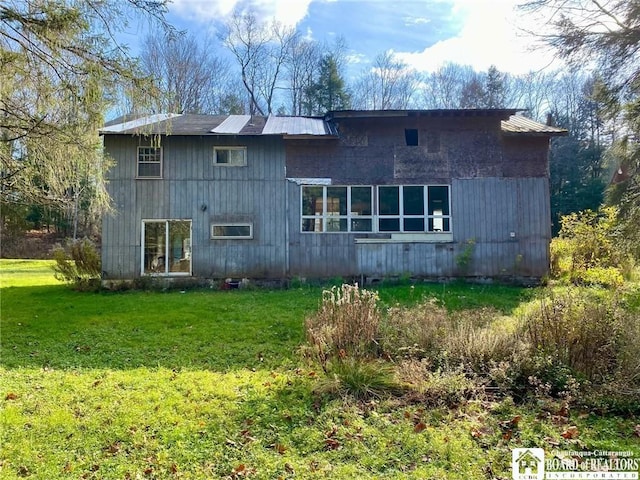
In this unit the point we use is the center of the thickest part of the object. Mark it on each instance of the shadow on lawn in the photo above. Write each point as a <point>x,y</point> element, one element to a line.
<point>53,326</point>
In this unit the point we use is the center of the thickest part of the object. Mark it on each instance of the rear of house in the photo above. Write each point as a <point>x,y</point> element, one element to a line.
<point>431,193</point>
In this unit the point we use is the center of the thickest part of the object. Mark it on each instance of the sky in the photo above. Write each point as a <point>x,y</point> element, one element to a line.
<point>424,33</point>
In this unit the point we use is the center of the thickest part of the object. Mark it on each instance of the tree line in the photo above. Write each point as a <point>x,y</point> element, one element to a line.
<point>62,71</point>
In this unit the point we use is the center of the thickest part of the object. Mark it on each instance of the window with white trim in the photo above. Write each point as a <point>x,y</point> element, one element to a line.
<point>337,208</point>
<point>398,208</point>
<point>230,156</point>
<point>414,208</point>
<point>166,247</point>
<point>149,162</point>
<point>236,231</point>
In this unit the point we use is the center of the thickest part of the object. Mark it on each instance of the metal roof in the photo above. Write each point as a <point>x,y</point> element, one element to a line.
<point>232,124</point>
<point>294,126</point>
<point>520,125</point>
<point>191,124</point>
<point>137,123</point>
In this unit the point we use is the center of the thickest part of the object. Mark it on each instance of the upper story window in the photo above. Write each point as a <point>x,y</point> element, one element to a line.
<point>230,156</point>
<point>149,162</point>
<point>411,136</point>
<point>394,208</point>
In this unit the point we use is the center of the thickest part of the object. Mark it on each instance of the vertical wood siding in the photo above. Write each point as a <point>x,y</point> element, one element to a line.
<point>255,193</point>
<point>484,211</point>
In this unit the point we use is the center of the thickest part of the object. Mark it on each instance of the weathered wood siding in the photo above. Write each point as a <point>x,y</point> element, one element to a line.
<point>499,198</point>
<point>485,212</point>
<point>255,193</point>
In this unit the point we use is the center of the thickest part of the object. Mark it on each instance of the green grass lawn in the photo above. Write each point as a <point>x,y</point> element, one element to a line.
<point>210,384</point>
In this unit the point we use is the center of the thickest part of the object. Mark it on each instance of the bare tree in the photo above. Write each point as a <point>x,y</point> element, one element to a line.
<point>443,88</point>
<point>302,68</point>
<point>390,84</point>
<point>261,50</point>
<point>189,76</point>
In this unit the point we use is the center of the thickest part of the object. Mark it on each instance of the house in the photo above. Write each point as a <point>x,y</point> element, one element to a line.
<point>428,193</point>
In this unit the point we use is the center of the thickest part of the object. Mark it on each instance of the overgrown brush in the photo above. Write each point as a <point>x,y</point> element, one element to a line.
<point>346,325</point>
<point>471,338</point>
<point>415,332</point>
<point>360,379</point>
<point>79,264</point>
<point>581,330</point>
<point>587,251</point>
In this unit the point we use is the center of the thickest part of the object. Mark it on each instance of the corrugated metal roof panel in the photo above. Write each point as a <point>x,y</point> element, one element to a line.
<point>139,122</point>
<point>294,126</point>
<point>518,124</point>
<point>232,124</point>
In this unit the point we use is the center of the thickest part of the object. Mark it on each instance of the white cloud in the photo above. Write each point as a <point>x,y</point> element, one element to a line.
<point>491,35</point>
<point>287,12</point>
<point>413,21</point>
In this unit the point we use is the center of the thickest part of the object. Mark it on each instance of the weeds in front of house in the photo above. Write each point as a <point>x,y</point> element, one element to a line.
<point>572,343</point>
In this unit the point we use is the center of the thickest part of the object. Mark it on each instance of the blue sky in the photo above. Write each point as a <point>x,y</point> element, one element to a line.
<point>424,33</point>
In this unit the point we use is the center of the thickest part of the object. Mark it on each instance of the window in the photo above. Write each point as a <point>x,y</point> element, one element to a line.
<point>149,162</point>
<point>413,208</point>
<point>166,247</point>
<point>336,209</point>
<point>400,209</point>
<point>411,136</point>
<point>230,156</point>
<point>237,231</point>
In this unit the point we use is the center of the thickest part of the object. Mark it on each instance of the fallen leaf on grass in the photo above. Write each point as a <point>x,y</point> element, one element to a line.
<point>570,433</point>
<point>278,447</point>
<point>11,396</point>
<point>419,427</point>
<point>332,443</point>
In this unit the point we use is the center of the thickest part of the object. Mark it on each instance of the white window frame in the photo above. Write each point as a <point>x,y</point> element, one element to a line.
<point>425,215</point>
<point>147,162</point>
<point>232,237</point>
<point>229,148</point>
<point>375,217</point>
<point>325,217</point>
<point>167,246</point>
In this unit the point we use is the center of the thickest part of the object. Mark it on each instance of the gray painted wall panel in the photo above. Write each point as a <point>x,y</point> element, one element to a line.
<point>252,193</point>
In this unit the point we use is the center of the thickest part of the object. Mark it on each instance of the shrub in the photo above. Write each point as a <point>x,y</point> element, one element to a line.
<point>469,338</point>
<point>415,331</point>
<point>79,264</point>
<point>438,388</point>
<point>345,325</point>
<point>587,251</point>
<point>480,338</point>
<point>579,329</point>
<point>360,379</point>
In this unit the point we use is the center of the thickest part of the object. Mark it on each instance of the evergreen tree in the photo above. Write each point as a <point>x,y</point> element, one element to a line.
<point>59,67</point>
<point>328,92</point>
